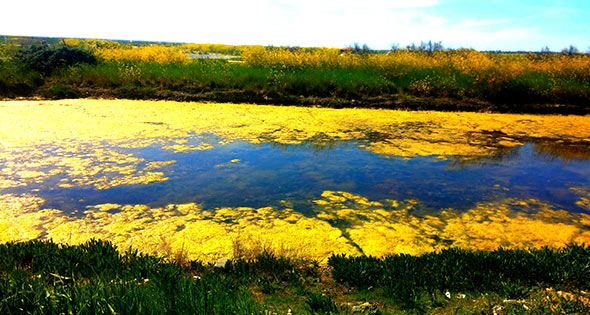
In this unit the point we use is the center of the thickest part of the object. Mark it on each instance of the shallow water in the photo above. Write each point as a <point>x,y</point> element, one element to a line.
<point>270,173</point>
<point>223,180</point>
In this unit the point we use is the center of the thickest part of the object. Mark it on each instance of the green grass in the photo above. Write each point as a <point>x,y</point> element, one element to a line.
<point>400,86</point>
<point>414,282</point>
<point>41,277</point>
<point>93,278</point>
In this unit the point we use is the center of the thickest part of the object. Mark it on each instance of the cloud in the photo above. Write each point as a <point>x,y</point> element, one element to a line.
<point>471,23</point>
<point>340,5</point>
<point>333,23</point>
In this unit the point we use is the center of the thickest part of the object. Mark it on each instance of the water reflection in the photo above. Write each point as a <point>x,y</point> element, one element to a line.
<point>302,180</point>
<point>266,174</point>
<point>564,150</point>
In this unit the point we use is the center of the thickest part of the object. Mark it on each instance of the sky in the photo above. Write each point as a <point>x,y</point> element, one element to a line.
<point>509,25</point>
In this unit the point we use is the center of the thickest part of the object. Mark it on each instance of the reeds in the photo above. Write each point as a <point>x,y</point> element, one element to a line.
<point>513,82</point>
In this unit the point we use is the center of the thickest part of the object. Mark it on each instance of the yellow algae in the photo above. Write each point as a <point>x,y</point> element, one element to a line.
<point>168,230</point>
<point>204,241</point>
<point>584,201</point>
<point>158,164</point>
<point>80,165</point>
<point>233,161</point>
<point>332,196</point>
<point>350,225</point>
<point>399,132</point>
<point>37,143</point>
<point>180,148</point>
<point>29,174</point>
<point>106,206</point>
<point>487,226</point>
<point>380,238</point>
<point>8,183</point>
<point>22,218</point>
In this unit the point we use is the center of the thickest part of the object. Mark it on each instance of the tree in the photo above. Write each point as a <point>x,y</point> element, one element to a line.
<point>428,47</point>
<point>357,49</point>
<point>45,60</point>
<point>572,50</point>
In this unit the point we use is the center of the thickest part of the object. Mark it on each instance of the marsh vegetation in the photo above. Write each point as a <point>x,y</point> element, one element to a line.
<point>410,78</point>
<point>96,277</point>
<point>316,210</point>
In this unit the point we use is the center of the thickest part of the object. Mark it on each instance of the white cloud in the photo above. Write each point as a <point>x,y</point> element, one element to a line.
<point>340,5</point>
<point>471,23</point>
<point>333,23</point>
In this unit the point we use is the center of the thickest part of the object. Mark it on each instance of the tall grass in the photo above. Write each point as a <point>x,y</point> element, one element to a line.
<point>510,273</point>
<point>94,278</point>
<point>41,277</point>
<point>509,82</point>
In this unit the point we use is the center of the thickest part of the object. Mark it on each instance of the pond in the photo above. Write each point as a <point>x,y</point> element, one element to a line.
<point>241,174</point>
<point>211,189</point>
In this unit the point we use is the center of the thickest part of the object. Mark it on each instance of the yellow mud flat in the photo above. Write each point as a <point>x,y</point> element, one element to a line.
<point>76,138</point>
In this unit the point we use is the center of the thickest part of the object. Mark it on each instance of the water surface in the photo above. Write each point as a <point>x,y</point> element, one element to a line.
<point>269,173</point>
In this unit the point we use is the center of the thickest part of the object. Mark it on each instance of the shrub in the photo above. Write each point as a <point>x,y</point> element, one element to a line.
<point>60,91</point>
<point>319,304</point>
<point>46,60</point>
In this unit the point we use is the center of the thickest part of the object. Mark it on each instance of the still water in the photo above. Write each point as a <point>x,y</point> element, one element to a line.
<point>242,174</point>
<point>211,181</point>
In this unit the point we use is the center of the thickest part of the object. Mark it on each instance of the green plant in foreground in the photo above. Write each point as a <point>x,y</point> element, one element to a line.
<point>41,277</point>
<point>46,278</point>
<point>319,304</point>
<point>510,273</point>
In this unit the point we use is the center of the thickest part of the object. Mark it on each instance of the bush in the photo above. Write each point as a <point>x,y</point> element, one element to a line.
<point>46,60</point>
<point>319,304</point>
<point>60,91</point>
<point>16,81</point>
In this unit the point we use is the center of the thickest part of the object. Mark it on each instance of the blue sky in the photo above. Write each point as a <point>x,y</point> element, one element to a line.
<point>483,25</point>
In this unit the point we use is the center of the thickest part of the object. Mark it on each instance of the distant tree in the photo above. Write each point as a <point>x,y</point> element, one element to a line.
<point>428,47</point>
<point>365,49</point>
<point>432,46</point>
<point>357,49</point>
<point>545,50</point>
<point>572,50</point>
<point>395,47</point>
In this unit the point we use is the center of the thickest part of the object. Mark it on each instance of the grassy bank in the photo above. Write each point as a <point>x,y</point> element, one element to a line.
<point>44,278</point>
<point>442,80</point>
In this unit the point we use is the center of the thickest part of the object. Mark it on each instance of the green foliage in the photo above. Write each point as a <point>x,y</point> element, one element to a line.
<point>511,273</point>
<point>16,81</point>
<point>46,60</point>
<point>37,69</point>
<point>319,304</point>
<point>60,91</point>
<point>42,277</point>
<point>94,278</point>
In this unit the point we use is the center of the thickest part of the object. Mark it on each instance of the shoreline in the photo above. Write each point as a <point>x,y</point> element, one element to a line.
<point>393,102</point>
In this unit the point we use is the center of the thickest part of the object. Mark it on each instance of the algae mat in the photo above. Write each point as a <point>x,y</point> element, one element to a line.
<point>224,180</point>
